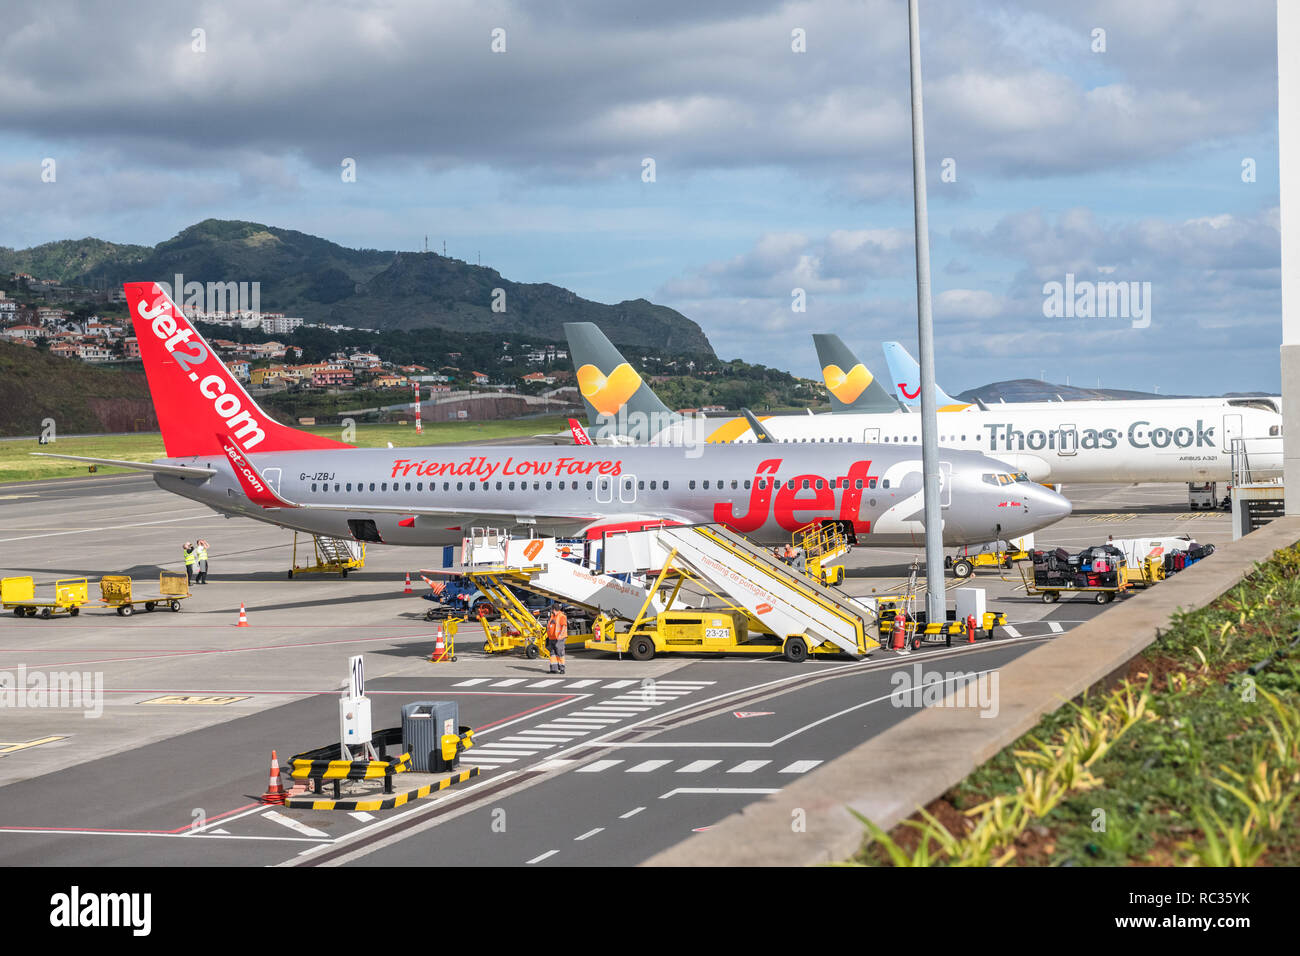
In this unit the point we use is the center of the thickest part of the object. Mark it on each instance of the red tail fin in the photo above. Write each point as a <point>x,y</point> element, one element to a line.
<point>195,395</point>
<point>580,436</point>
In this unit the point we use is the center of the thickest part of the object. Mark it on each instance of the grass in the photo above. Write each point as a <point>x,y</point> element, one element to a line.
<point>16,463</point>
<point>1208,775</point>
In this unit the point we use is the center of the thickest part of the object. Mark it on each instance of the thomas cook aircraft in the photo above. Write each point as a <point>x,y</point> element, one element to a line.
<point>226,452</point>
<point>1183,441</point>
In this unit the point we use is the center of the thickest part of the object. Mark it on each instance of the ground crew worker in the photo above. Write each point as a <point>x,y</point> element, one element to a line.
<point>201,557</point>
<point>557,629</point>
<point>190,558</point>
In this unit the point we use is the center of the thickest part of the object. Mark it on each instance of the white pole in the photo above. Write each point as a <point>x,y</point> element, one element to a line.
<point>419,429</point>
<point>935,599</point>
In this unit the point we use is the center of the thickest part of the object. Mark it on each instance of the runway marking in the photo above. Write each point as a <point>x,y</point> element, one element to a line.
<point>1010,630</point>
<point>620,683</point>
<point>800,766</point>
<point>276,816</point>
<point>717,790</point>
<point>113,527</point>
<point>511,751</point>
<point>646,766</point>
<point>191,699</point>
<point>10,747</point>
<point>696,766</point>
<point>630,813</point>
<point>545,683</point>
<point>545,856</point>
<point>558,735</point>
<point>511,682</point>
<point>580,683</point>
<point>472,681</point>
<point>748,766</point>
<point>598,766</point>
<point>589,833</point>
<point>361,815</point>
<point>1054,627</point>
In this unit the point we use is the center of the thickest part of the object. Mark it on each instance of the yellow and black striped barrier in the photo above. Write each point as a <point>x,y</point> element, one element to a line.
<point>301,769</point>
<point>311,802</point>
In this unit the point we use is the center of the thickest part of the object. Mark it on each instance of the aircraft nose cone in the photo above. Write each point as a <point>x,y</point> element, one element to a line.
<point>1049,505</point>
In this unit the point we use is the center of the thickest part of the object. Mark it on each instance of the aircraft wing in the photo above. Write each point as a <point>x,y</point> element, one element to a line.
<point>180,471</point>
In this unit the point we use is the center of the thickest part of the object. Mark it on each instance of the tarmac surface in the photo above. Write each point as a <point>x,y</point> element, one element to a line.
<point>606,765</point>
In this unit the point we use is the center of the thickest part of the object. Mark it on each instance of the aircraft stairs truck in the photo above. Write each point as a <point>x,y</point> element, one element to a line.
<point>760,604</point>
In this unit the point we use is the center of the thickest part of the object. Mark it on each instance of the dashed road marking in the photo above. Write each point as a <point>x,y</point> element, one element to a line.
<point>800,766</point>
<point>598,766</point>
<point>509,682</point>
<point>630,813</point>
<point>472,681</point>
<point>748,766</point>
<point>545,683</point>
<point>589,833</point>
<point>646,766</point>
<point>698,766</point>
<point>545,856</point>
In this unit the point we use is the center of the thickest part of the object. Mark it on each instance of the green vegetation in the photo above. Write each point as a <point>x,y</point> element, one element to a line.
<point>321,281</point>
<point>17,464</point>
<point>1191,760</point>
<point>80,398</point>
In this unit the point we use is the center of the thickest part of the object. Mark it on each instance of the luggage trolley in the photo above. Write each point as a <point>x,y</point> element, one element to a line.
<point>116,590</point>
<point>19,595</point>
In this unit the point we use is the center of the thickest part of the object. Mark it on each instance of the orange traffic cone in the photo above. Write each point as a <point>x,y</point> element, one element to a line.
<point>408,584</point>
<point>243,616</point>
<point>274,791</point>
<point>439,646</point>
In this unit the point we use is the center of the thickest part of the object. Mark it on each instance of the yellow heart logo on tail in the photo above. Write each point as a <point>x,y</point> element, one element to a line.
<point>608,393</point>
<point>846,386</point>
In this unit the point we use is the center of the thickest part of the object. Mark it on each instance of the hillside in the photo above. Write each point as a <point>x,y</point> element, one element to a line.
<point>322,281</point>
<point>81,398</point>
<point>1033,390</point>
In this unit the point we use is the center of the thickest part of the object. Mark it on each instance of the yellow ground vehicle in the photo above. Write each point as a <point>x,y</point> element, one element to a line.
<point>332,556</point>
<point>963,565</point>
<point>821,543</point>
<point>516,625</point>
<point>717,631</point>
<point>1102,594</point>
<point>116,590</point>
<point>1149,572</point>
<point>19,595</point>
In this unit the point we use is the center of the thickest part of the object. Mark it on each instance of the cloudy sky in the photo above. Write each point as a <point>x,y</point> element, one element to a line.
<point>1107,139</point>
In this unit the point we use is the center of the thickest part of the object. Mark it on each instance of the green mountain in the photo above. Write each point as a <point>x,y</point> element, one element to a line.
<point>324,282</point>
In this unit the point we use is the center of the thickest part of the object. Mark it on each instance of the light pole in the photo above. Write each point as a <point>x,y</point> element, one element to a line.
<point>935,600</point>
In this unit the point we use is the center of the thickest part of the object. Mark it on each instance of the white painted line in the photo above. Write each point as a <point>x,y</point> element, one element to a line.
<point>531,741</point>
<point>557,735</point>
<point>361,815</point>
<point>800,766</point>
<point>222,833</point>
<point>630,813</point>
<point>598,766</point>
<point>619,683</point>
<point>1053,626</point>
<point>686,683</point>
<point>580,683</point>
<point>113,527</point>
<point>1010,631</point>
<point>545,683</point>
<point>553,728</point>
<point>646,766</point>
<point>614,711</point>
<point>696,766</point>
<point>277,817</point>
<point>313,849</point>
<point>472,681</point>
<point>589,833</point>
<point>509,683</point>
<point>748,766</point>
<point>716,790</point>
<point>538,859</point>
<point>592,723</point>
<point>489,761</point>
<point>513,751</point>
